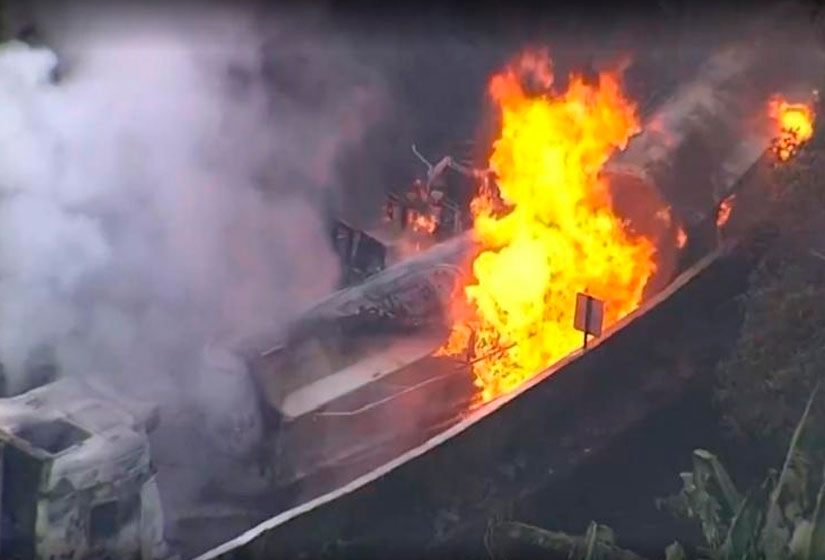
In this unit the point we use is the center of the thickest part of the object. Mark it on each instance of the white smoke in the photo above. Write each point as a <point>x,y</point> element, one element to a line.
<point>148,207</point>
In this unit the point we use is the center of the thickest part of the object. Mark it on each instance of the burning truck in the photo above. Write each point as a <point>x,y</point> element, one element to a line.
<point>429,212</point>
<point>382,366</point>
<point>580,197</point>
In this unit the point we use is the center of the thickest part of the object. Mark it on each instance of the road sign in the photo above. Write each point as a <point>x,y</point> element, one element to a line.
<point>589,315</point>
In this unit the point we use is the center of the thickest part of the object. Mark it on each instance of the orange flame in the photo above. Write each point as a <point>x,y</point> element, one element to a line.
<point>681,237</point>
<point>795,122</point>
<point>422,223</point>
<point>559,235</point>
<point>723,213</point>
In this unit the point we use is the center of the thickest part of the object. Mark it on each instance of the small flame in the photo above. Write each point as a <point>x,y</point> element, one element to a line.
<point>557,234</point>
<point>723,213</point>
<point>663,215</point>
<point>681,237</point>
<point>795,123</point>
<point>422,223</point>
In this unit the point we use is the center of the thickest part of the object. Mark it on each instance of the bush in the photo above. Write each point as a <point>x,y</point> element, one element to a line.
<point>780,352</point>
<point>779,519</point>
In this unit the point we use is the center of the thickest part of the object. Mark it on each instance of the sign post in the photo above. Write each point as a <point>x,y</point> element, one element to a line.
<point>589,316</point>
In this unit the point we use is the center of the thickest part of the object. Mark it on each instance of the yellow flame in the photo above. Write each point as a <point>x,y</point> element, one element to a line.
<point>559,235</point>
<point>795,123</point>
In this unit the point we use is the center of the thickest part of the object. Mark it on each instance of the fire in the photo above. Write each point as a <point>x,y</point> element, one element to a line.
<point>723,213</point>
<point>795,122</point>
<point>422,223</point>
<point>681,237</point>
<point>664,215</point>
<point>556,235</point>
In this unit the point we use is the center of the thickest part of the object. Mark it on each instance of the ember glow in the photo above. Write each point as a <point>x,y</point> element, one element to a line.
<point>557,234</point>
<point>681,237</point>
<point>422,223</point>
<point>795,122</point>
<point>664,215</point>
<point>723,213</point>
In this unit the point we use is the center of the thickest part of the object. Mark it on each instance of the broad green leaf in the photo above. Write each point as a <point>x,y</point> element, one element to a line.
<point>564,545</point>
<point>800,540</point>
<point>605,535</point>
<point>674,551</point>
<point>590,541</point>
<point>776,531</point>
<point>816,544</point>
<point>743,535</point>
<point>732,498</point>
<point>695,501</point>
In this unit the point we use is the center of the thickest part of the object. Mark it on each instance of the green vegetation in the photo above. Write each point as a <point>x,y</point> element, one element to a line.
<point>780,352</point>
<point>767,389</point>
<point>780,519</point>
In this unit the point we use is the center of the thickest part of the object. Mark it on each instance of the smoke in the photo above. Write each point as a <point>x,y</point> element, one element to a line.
<point>166,191</point>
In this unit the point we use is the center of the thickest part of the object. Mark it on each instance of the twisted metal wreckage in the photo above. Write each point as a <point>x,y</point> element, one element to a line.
<point>390,406</point>
<point>354,389</point>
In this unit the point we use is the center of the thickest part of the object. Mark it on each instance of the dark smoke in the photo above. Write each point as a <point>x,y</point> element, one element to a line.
<point>169,191</point>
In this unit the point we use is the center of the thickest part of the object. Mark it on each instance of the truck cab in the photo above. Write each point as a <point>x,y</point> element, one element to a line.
<point>76,479</point>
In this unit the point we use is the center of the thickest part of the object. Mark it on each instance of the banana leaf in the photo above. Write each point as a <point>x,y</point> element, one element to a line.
<point>742,538</point>
<point>714,479</point>
<point>674,551</point>
<point>596,544</point>
<point>816,545</point>
<point>776,531</point>
<point>708,462</point>
<point>696,500</point>
<point>590,537</point>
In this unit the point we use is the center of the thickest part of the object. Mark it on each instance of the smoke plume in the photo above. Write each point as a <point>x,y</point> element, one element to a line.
<point>162,190</point>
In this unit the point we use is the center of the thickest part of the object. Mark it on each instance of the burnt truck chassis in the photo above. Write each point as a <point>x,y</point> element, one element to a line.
<point>492,438</point>
<point>435,392</point>
<point>336,439</point>
<point>497,455</point>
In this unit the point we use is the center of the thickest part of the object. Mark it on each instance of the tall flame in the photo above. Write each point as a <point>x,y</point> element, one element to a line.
<point>559,235</point>
<point>795,122</point>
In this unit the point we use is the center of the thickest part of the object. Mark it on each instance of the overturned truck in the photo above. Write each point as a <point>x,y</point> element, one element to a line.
<point>356,382</point>
<point>77,478</point>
